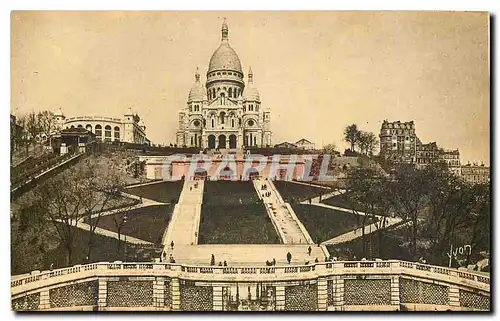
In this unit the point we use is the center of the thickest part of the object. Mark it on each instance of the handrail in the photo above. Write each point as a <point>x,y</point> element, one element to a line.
<point>328,267</point>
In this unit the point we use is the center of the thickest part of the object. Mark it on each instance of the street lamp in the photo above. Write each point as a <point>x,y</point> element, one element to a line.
<point>125,218</point>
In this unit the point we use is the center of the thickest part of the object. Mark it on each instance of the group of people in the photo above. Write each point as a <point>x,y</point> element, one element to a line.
<point>264,188</point>
<point>271,263</point>
<point>212,261</point>
<point>195,186</point>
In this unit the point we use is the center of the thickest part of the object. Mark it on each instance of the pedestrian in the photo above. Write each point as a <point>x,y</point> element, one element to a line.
<point>316,260</point>
<point>190,188</point>
<point>212,260</point>
<point>274,261</point>
<point>309,250</point>
<point>51,266</point>
<point>289,257</point>
<point>225,263</point>
<point>172,245</point>
<point>220,263</point>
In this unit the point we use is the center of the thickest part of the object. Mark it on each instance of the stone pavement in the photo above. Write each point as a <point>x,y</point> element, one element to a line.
<point>246,254</point>
<point>283,217</point>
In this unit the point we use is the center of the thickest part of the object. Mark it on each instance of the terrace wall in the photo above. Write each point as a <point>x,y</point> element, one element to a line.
<point>366,285</point>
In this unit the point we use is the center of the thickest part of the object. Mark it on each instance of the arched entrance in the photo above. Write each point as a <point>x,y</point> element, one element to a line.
<point>232,141</point>
<point>211,141</point>
<point>252,173</point>
<point>200,174</point>
<point>226,174</point>
<point>222,141</point>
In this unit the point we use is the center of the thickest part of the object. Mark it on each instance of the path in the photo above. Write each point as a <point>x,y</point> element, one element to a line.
<point>320,198</point>
<point>283,217</point>
<point>185,222</point>
<point>309,184</point>
<point>354,234</point>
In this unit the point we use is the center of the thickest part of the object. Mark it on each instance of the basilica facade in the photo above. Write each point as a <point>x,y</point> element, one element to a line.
<point>226,112</point>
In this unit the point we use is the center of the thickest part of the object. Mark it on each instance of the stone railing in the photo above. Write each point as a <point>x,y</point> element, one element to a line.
<point>323,274</point>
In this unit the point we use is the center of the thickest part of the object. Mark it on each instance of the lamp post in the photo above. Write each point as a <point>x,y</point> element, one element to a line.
<point>125,218</point>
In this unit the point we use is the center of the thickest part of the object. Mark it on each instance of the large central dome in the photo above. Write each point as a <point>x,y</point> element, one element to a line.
<point>225,58</point>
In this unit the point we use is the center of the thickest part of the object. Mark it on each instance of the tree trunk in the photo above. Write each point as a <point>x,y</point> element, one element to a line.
<point>414,236</point>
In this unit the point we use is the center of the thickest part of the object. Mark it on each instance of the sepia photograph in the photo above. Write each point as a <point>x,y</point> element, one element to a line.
<point>332,161</point>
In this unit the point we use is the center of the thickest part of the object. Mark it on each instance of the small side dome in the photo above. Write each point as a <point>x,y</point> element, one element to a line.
<point>197,92</point>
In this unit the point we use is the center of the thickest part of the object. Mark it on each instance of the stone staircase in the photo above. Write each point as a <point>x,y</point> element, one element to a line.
<point>185,222</point>
<point>282,216</point>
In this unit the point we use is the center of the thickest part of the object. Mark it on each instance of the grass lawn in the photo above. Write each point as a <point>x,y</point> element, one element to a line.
<point>229,193</point>
<point>166,192</point>
<point>386,244</point>
<point>296,193</point>
<point>147,223</point>
<point>236,224</point>
<point>105,249</point>
<point>324,223</point>
<point>338,200</point>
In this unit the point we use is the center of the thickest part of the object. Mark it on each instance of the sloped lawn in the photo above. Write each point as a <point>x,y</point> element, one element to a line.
<point>324,223</point>
<point>236,224</point>
<point>165,192</point>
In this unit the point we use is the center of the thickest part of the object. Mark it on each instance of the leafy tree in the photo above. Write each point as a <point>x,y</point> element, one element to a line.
<point>331,149</point>
<point>367,142</point>
<point>351,135</point>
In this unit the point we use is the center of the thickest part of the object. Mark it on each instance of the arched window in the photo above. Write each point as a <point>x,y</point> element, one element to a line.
<point>98,130</point>
<point>72,126</point>
<point>230,92</point>
<point>117,133</point>
<point>232,122</point>
<point>213,123</point>
<point>88,127</point>
<point>107,132</point>
<point>222,117</point>
<point>80,126</point>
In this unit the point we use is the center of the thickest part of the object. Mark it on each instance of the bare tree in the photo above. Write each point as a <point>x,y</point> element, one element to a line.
<point>46,123</point>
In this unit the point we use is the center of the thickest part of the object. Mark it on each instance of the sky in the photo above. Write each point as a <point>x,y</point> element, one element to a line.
<point>316,71</point>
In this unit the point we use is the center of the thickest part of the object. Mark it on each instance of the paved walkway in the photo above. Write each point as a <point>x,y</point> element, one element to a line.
<point>185,222</point>
<point>246,254</point>
<point>309,184</point>
<point>354,234</point>
<point>320,198</point>
<point>282,215</point>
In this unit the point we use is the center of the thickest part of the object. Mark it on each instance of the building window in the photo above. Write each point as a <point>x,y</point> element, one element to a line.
<point>80,126</point>
<point>250,108</point>
<point>192,140</point>
<point>107,132</point>
<point>88,128</point>
<point>230,92</point>
<point>98,130</point>
<point>190,109</point>
<point>232,122</point>
<point>250,123</point>
<point>117,133</point>
<point>213,123</point>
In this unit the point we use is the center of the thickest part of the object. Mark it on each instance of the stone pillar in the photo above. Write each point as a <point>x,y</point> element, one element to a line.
<point>338,294</point>
<point>44,300</point>
<point>454,296</point>
<point>217,298</point>
<point>176,294</point>
<point>280,298</point>
<point>395,291</point>
<point>322,294</point>
<point>159,293</point>
<point>102,294</point>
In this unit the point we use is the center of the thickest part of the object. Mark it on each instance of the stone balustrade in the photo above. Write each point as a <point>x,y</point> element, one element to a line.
<point>339,285</point>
